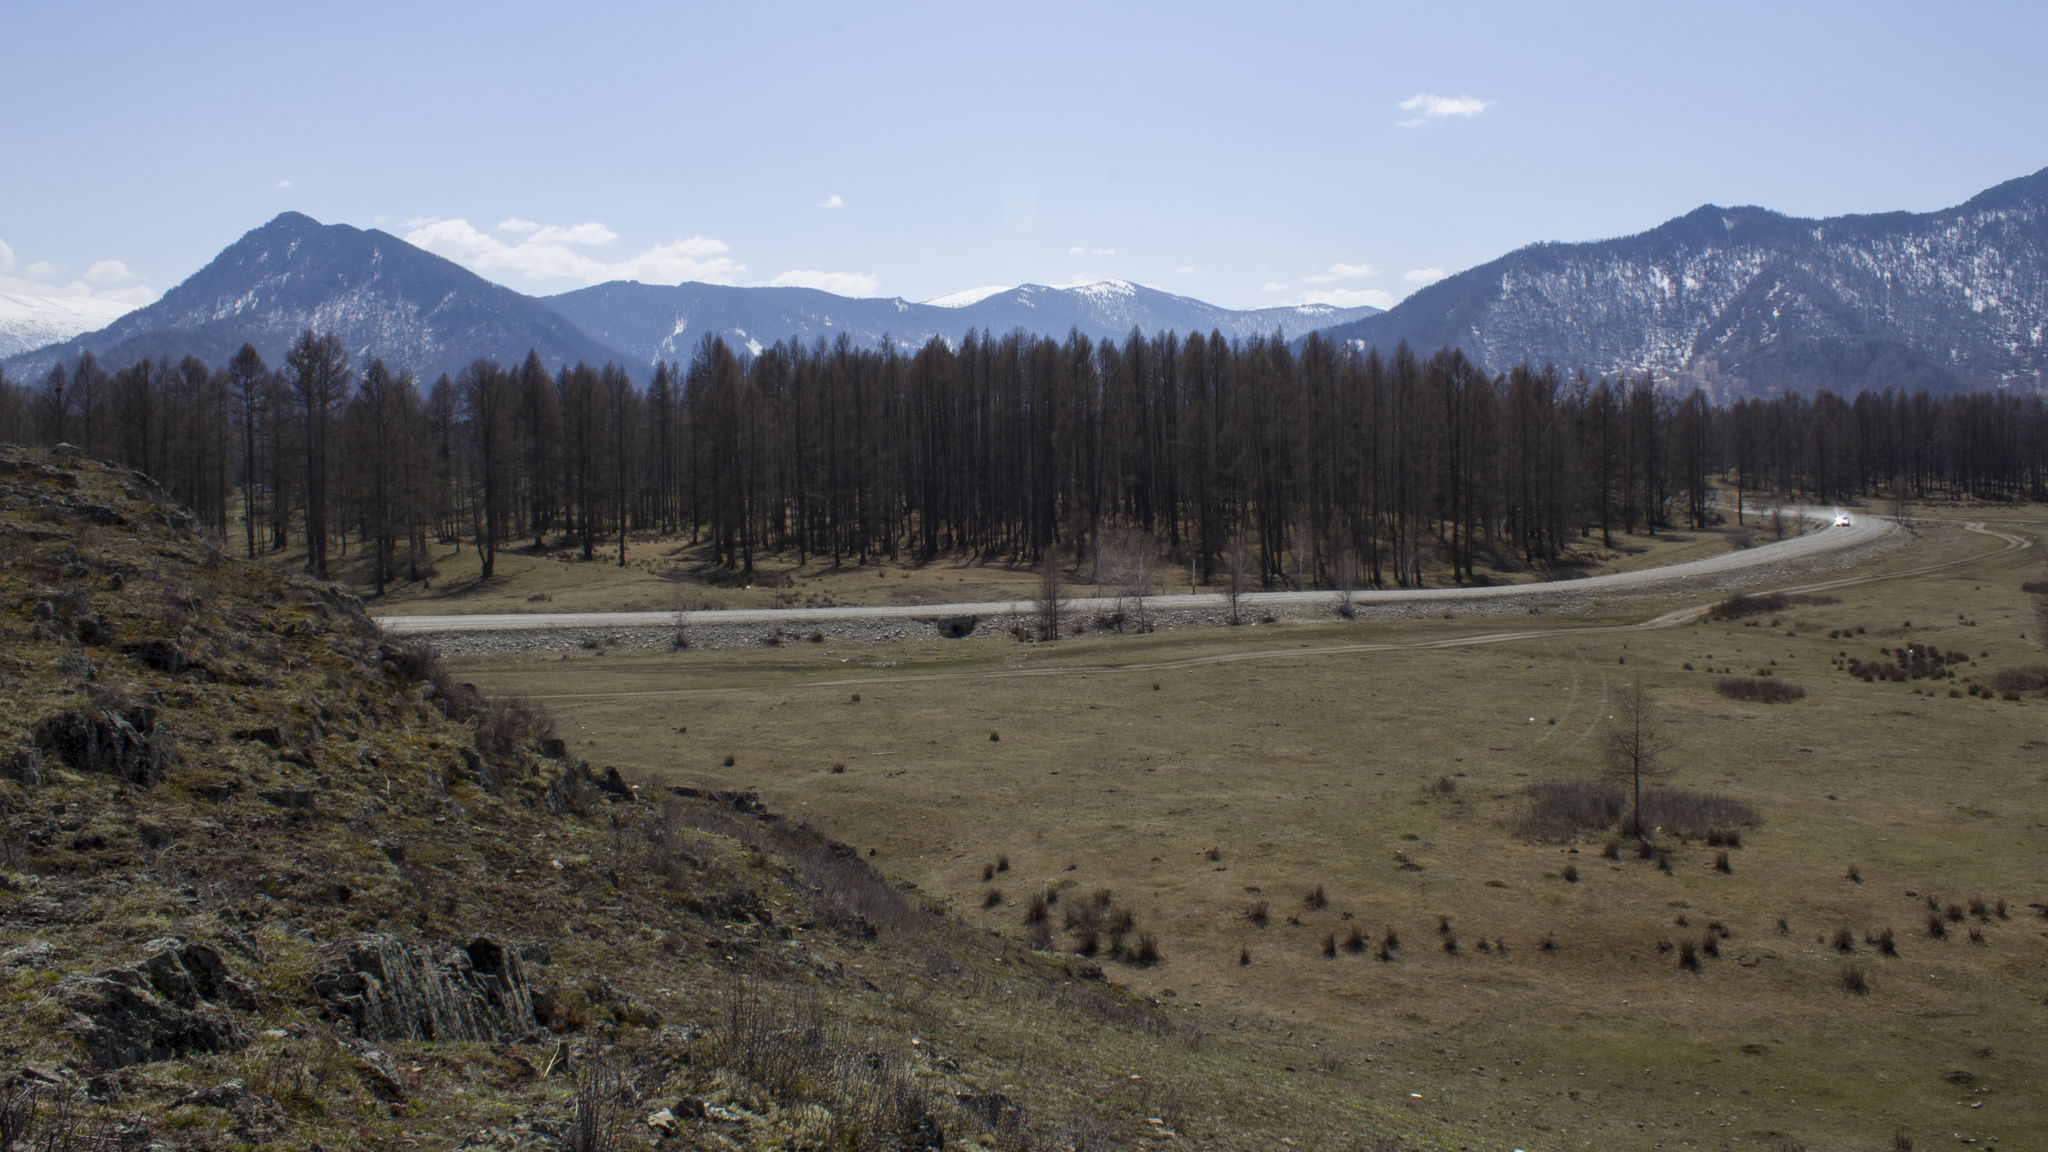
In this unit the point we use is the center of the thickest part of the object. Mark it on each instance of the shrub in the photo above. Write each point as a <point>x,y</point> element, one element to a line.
<point>1844,940</point>
<point>1391,940</point>
<point>1853,876</point>
<point>1724,838</point>
<point>1244,957</point>
<point>1976,934</point>
<point>1451,945</point>
<point>1887,943</point>
<point>1561,809</point>
<point>1315,898</point>
<point>1002,863</point>
<point>1037,911</point>
<point>1759,690</point>
<point>1354,941</point>
<point>2033,678</point>
<point>1443,925</point>
<point>1257,914</point>
<point>1764,604</point>
<point>1144,953</point>
<point>1954,912</point>
<point>1978,910</point>
<point>1853,980</point>
<point>1688,956</point>
<point>988,873</point>
<point>728,761</point>
<point>991,898</point>
<point>1721,863</point>
<point>1611,850</point>
<point>1936,930</point>
<point>1549,943</point>
<point>1329,944</point>
<point>1444,786</point>
<point>1570,874</point>
<point>1710,945</point>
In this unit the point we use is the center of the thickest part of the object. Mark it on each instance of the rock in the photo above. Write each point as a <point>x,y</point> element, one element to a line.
<point>389,991</point>
<point>616,785</point>
<point>663,1122</point>
<point>34,954</point>
<point>130,743</point>
<point>176,1002</point>
<point>268,734</point>
<point>258,1118</point>
<point>957,627</point>
<point>162,655</point>
<point>24,767</point>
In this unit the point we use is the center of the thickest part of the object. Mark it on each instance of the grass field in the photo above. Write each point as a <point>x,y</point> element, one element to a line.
<point>1207,772</point>
<point>664,573</point>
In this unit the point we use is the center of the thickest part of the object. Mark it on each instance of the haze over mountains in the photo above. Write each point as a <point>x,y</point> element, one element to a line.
<point>1748,301</point>
<point>1742,301</point>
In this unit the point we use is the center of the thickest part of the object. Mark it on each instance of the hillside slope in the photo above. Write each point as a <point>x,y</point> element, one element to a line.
<point>268,877</point>
<point>1746,301</point>
<point>382,296</point>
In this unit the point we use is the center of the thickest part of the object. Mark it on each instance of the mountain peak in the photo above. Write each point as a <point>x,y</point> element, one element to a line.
<point>1747,300</point>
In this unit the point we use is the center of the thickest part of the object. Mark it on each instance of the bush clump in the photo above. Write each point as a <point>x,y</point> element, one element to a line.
<point>1759,689</point>
<point>1561,809</point>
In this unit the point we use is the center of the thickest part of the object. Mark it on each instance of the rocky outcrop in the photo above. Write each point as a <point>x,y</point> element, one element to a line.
<point>388,990</point>
<point>179,1000</point>
<point>132,743</point>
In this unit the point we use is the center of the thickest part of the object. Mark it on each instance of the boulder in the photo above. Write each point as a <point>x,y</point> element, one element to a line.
<point>132,743</point>
<point>258,1119</point>
<point>388,990</point>
<point>179,1000</point>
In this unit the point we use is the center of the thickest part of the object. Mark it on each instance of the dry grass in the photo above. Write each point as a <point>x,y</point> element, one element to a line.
<point>1274,761</point>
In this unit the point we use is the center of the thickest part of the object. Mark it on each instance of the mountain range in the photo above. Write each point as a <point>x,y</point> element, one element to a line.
<point>1739,301</point>
<point>386,298</point>
<point>1745,301</point>
<point>651,322</point>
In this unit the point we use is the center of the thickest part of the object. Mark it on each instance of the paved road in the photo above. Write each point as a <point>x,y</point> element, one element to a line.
<point>1824,539</point>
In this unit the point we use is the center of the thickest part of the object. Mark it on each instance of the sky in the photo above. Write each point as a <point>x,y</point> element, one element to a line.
<point>1247,155</point>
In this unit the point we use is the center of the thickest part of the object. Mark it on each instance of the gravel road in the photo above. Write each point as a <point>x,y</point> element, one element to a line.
<point>1824,550</point>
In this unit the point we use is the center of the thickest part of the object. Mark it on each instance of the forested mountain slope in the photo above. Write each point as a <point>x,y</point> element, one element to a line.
<point>1746,301</point>
<point>380,295</point>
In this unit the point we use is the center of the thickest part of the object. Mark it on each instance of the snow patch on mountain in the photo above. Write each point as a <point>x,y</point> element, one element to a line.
<point>970,296</point>
<point>28,322</point>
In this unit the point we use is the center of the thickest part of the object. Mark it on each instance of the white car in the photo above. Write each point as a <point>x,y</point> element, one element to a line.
<point>1842,520</point>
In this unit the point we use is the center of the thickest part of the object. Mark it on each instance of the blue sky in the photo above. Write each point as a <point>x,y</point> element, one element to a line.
<point>1243,154</point>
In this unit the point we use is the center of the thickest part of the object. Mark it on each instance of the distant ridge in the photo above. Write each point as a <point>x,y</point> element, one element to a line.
<point>657,322</point>
<point>1745,301</point>
<point>380,295</point>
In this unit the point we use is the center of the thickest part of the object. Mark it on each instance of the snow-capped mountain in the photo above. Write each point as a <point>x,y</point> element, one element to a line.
<point>382,296</point>
<point>1746,301</point>
<point>652,322</point>
<point>32,321</point>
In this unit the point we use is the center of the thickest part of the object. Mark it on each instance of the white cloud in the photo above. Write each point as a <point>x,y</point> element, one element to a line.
<point>1185,269</point>
<point>1438,107</point>
<point>1349,297</point>
<point>1077,250</point>
<point>833,201</point>
<point>553,252</point>
<point>107,273</point>
<point>1342,272</point>
<point>38,279</point>
<point>1423,275</point>
<point>284,183</point>
<point>1272,287</point>
<point>840,283</point>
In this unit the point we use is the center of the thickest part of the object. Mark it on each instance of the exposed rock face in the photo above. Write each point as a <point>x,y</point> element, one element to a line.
<point>388,990</point>
<point>133,743</point>
<point>178,1001</point>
